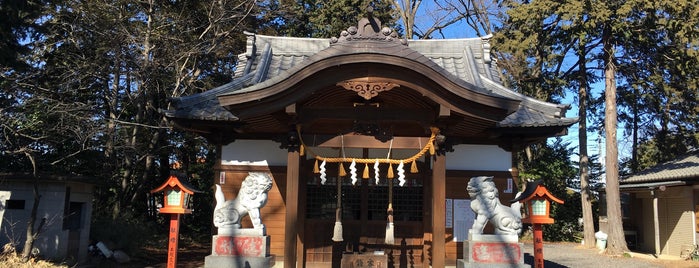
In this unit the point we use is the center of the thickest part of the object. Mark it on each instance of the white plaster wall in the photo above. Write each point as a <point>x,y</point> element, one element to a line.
<point>253,151</point>
<point>82,193</point>
<point>4,196</point>
<point>53,241</point>
<point>14,222</point>
<point>464,157</point>
<point>479,157</point>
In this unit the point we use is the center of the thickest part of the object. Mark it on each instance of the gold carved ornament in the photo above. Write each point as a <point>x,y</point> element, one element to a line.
<point>366,89</point>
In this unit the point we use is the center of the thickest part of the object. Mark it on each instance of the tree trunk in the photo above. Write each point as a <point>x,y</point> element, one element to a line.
<point>585,193</point>
<point>31,234</point>
<point>407,9</point>
<point>634,147</point>
<point>616,243</point>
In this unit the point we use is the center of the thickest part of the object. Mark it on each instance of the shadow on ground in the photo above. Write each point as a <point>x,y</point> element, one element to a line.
<point>529,259</point>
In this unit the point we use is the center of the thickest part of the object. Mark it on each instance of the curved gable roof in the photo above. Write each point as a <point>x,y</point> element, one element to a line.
<point>463,78</point>
<point>362,54</point>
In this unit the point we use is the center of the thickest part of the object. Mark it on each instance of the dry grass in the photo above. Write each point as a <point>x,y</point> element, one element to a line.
<point>12,260</point>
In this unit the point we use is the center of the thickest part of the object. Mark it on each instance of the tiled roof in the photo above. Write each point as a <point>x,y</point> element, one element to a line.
<point>205,105</point>
<point>683,168</point>
<point>528,117</point>
<point>270,59</point>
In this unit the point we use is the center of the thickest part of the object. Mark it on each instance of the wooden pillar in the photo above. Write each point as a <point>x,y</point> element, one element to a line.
<point>292,205</point>
<point>656,223</point>
<point>438,211</point>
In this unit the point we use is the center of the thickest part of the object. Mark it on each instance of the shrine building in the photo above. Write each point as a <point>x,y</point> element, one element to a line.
<point>378,119</point>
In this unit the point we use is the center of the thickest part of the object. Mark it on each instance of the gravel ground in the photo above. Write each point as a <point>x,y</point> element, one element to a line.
<point>572,255</point>
<point>556,255</point>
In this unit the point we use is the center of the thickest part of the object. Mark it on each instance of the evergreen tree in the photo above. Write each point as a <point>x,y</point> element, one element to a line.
<point>552,164</point>
<point>85,95</point>
<point>322,19</point>
<point>658,95</point>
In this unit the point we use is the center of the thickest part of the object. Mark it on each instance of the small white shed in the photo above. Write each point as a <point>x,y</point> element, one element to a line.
<point>661,215</point>
<point>65,206</point>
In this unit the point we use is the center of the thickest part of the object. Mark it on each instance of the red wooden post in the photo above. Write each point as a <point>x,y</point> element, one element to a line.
<point>173,240</point>
<point>538,246</point>
<point>175,203</point>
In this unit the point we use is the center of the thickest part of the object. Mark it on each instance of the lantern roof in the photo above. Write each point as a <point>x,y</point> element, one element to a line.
<point>536,189</point>
<point>173,181</point>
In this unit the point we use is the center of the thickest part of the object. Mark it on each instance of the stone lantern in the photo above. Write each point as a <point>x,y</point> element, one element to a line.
<point>537,208</point>
<point>176,201</point>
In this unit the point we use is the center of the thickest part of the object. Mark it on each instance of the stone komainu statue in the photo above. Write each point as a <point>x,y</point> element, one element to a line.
<point>486,204</point>
<point>251,197</point>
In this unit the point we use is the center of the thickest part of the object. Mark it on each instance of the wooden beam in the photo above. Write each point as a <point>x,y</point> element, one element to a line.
<point>438,211</point>
<point>361,141</point>
<point>292,198</point>
<point>444,111</point>
<point>366,113</point>
<point>291,109</point>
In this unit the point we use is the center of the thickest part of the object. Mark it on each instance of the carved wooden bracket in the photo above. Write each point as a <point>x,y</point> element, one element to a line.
<point>367,90</point>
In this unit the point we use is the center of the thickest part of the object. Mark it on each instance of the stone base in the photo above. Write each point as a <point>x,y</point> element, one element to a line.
<point>492,251</point>
<point>465,264</point>
<point>237,262</point>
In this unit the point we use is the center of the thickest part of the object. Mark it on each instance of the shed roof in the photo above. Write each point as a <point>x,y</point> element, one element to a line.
<point>684,168</point>
<point>29,178</point>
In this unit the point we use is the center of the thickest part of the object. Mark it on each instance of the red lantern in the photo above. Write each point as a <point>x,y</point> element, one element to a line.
<point>537,209</point>
<point>176,202</point>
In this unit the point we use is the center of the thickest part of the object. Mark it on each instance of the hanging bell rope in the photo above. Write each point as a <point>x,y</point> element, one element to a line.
<point>390,165</point>
<point>390,171</point>
<point>342,172</point>
<point>337,229</point>
<point>390,229</point>
<point>390,237</point>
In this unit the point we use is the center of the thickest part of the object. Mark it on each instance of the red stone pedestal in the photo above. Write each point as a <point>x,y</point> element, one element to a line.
<point>229,251</point>
<point>492,251</point>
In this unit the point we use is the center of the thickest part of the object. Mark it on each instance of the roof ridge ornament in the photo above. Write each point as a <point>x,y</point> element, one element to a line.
<point>369,28</point>
<point>485,41</point>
